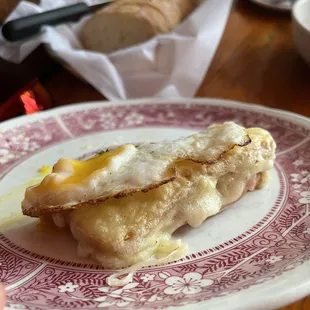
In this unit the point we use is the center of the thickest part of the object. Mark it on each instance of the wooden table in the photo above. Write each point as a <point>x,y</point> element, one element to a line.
<point>256,62</point>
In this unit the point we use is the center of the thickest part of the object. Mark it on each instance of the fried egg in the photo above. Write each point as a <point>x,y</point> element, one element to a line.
<point>126,169</point>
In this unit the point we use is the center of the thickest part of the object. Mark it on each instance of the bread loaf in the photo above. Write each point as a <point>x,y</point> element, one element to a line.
<point>128,22</point>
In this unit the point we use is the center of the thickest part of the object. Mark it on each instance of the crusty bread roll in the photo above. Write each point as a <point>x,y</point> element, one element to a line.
<point>128,22</point>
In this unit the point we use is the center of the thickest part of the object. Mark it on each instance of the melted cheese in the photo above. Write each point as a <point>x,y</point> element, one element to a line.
<point>173,251</point>
<point>49,226</point>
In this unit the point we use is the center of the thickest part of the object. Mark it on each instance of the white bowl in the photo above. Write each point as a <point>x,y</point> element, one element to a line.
<point>301,28</point>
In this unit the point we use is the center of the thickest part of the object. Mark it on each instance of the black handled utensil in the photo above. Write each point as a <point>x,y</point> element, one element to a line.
<point>27,26</point>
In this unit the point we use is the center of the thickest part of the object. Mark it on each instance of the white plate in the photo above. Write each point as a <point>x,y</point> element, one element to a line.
<point>255,255</point>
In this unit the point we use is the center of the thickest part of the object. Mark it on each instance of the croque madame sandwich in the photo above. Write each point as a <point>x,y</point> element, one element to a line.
<point>123,205</point>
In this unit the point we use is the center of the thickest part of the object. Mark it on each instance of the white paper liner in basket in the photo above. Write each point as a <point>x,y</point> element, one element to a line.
<point>172,64</point>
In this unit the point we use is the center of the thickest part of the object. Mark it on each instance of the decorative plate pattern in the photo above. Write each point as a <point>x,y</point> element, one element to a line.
<point>275,245</point>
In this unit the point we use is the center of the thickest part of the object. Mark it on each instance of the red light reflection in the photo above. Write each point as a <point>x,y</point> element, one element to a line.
<point>29,102</point>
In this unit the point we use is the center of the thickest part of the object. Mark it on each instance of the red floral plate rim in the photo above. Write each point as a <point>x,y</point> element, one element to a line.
<point>279,251</point>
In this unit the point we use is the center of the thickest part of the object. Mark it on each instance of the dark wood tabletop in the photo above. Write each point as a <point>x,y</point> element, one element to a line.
<point>256,62</point>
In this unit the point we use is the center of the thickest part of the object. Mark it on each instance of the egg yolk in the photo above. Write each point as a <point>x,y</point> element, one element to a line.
<point>44,170</point>
<point>83,169</point>
<point>78,170</point>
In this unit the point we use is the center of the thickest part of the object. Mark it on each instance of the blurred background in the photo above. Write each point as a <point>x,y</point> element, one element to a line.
<point>256,61</point>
